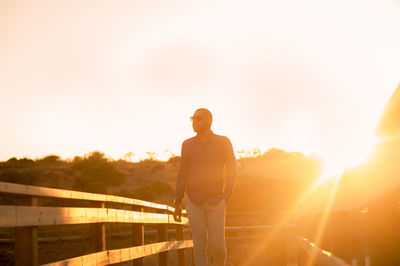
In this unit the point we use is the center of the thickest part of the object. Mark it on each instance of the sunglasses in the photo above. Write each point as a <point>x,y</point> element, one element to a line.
<point>197,118</point>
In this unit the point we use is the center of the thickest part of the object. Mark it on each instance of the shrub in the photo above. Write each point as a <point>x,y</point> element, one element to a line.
<point>50,159</point>
<point>21,163</point>
<point>24,176</point>
<point>97,173</point>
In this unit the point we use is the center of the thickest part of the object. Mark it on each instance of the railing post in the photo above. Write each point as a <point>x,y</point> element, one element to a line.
<point>138,236</point>
<point>282,249</point>
<point>26,248</point>
<point>162,236</point>
<point>181,252</point>
<point>99,231</point>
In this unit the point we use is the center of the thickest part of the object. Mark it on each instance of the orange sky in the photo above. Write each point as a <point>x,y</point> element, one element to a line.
<point>120,76</point>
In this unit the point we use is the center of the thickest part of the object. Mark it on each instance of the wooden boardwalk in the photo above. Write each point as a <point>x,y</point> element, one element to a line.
<point>289,243</point>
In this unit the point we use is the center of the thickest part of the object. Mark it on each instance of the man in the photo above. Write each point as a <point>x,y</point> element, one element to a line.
<point>207,174</point>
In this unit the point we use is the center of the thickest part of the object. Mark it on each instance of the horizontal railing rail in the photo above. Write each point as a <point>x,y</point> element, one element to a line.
<point>45,192</point>
<point>123,255</point>
<point>317,255</point>
<point>15,216</point>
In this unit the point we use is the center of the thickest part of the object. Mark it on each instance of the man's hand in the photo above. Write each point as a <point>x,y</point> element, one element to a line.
<point>178,213</point>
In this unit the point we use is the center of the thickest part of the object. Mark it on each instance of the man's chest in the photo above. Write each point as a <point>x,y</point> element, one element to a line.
<point>206,153</point>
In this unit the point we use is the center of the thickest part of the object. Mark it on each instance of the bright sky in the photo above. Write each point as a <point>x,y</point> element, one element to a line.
<point>119,76</point>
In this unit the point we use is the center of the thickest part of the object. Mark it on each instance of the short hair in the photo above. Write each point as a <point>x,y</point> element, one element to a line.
<point>207,112</point>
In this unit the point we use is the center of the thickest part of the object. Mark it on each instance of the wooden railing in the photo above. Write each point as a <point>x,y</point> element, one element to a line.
<point>25,216</point>
<point>362,233</point>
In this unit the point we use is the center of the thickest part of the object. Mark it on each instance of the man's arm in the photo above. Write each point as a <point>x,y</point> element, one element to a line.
<point>182,175</point>
<point>181,183</point>
<point>230,167</point>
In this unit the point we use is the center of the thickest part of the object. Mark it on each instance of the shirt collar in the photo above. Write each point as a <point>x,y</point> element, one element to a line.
<point>198,138</point>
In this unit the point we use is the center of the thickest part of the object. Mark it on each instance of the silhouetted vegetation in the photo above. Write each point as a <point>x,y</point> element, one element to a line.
<point>267,181</point>
<point>276,163</point>
<point>96,173</point>
<point>174,160</point>
<point>18,163</point>
<point>50,159</point>
<point>20,176</point>
<point>22,171</point>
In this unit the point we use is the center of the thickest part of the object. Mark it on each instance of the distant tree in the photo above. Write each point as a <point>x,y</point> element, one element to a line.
<point>175,160</point>
<point>170,153</point>
<point>275,154</point>
<point>21,163</point>
<point>96,156</point>
<point>77,159</point>
<point>256,152</point>
<point>97,173</point>
<point>244,154</point>
<point>152,155</point>
<point>128,156</point>
<point>50,159</point>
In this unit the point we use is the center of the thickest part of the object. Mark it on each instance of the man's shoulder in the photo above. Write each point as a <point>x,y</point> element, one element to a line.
<point>218,138</point>
<point>188,141</point>
<point>222,138</point>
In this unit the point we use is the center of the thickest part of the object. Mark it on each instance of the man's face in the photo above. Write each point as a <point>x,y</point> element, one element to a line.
<point>200,121</point>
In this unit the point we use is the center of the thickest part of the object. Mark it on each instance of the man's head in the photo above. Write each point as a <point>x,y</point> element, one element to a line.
<point>202,120</point>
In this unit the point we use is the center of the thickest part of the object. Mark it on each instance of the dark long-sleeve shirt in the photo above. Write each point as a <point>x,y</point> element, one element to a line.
<point>202,172</point>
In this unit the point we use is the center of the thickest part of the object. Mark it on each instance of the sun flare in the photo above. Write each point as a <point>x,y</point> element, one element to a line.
<point>355,154</point>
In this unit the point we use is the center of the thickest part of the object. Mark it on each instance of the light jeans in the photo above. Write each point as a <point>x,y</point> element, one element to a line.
<point>207,221</point>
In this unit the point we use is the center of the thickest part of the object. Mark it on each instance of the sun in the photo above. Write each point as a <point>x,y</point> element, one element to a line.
<point>353,154</point>
<point>300,132</point>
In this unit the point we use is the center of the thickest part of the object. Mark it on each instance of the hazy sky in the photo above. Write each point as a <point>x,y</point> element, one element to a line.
<point>120,76</point>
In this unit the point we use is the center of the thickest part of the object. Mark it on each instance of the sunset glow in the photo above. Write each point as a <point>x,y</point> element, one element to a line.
<point>98,83</point>
<point>355,154</point>
<point>262,132</point>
